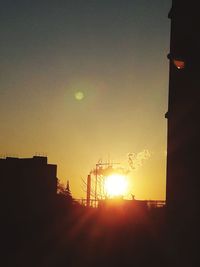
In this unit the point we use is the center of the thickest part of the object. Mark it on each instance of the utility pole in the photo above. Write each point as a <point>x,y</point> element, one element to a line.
<point>88,190</point>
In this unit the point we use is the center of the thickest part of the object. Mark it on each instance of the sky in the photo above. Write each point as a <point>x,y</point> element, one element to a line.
<point>83,81</point>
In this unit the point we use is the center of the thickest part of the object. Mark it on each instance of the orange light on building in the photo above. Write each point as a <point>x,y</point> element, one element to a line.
<point>179,64</point>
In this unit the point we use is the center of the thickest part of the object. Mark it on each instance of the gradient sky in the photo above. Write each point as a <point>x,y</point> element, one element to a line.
<point>114,51</point>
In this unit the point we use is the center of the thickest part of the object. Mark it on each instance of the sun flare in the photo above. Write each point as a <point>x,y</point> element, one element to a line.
<point>115,185</point>
<point>79,95</point>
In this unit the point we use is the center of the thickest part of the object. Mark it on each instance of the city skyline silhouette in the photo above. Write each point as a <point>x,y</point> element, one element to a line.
<point>46,223</point>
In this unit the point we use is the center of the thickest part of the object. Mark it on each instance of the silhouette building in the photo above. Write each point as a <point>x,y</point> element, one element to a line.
<point>183,174</point>
<point>28,186</point>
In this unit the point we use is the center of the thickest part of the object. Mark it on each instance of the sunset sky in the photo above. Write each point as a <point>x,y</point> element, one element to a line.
<point>84,80</point>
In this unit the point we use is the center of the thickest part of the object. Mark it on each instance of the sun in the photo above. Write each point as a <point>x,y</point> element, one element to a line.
<point>115,185</point>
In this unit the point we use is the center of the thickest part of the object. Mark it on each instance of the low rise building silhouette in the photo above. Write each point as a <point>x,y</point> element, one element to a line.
<point>28,186</point>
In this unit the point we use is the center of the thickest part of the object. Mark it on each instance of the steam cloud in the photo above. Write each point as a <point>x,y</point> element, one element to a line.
<point>135,160</point>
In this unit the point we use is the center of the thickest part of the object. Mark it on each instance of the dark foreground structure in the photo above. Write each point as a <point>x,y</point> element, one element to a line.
<point>183,176</point>
<point>41,228</point>
<point>28,185</point>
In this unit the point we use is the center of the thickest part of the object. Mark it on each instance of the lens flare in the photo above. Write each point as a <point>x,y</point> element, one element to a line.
<point>79,95</point>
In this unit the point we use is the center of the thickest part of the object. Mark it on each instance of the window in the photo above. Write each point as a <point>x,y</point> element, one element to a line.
<point>179,64</point>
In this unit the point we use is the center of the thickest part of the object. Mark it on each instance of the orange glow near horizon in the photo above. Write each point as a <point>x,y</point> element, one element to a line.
<point>116,185</point>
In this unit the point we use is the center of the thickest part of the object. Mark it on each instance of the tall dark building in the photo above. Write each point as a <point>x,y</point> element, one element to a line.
<point>28,186</point>
<point>183,160</point>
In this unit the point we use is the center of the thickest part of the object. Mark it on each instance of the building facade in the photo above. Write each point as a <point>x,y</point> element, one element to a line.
<point>28,186</point>
<point>183,175</point>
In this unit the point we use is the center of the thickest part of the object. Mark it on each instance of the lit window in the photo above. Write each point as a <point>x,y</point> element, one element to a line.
<point>179,64</point>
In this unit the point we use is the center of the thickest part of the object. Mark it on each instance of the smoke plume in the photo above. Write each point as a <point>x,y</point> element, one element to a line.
<point>135,160</point>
